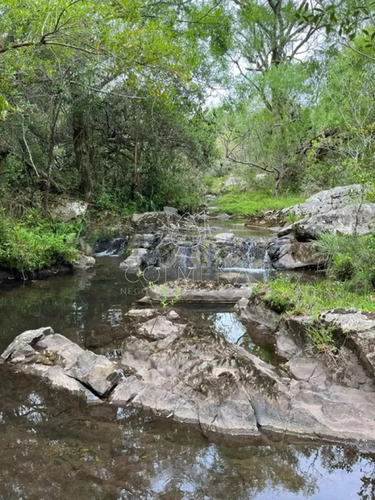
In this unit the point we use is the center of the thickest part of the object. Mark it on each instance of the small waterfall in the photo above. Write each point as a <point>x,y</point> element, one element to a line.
<point>210,256</point>
<point>267,265</point>
<point>267,262</point>
<point>249,252</point>
<point>183,256</point>
<point>109,247</point>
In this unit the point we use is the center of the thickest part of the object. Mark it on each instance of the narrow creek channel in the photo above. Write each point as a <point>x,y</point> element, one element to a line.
<point>55,445</point>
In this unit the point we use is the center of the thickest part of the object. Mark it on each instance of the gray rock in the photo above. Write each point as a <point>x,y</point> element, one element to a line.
<point>359,328</point>
<point>95,373</point>
<point>85,248</point>
<point>195,376</point>
<point>341,210</point>
<point>325,201</point>
<point>309,369</point>
<point>194,291</point>
<point>159,328</point>
<point>200,379</point>
<point>354,219</point>
<point>70,210</point>
<point>56,376</point>
<point>135,259</point>
<point>93,370</point>
<point>224,237</point>
<point>145,240</point>
<point>83,263</point>
<point>22,346</point>
<point>152,221</point>
<point>288,253</point>
<point>172,315</point>
<point>142,313</point>
<point>257,310</point>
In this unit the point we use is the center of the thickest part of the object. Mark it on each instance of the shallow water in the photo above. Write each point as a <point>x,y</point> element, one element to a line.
<point>238,228</point>
<point>55,446</point>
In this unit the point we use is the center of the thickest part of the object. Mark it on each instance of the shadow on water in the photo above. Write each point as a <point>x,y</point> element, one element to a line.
<point>54,445</point>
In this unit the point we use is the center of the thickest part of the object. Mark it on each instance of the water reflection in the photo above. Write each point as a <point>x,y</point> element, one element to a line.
<point>73,451</point>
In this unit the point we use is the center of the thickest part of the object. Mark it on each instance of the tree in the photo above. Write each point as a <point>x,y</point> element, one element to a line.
<point>268,45</point>
<point>66,62</point>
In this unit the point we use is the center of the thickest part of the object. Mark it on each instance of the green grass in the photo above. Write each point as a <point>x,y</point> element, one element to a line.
<point>293,297</point>
<point>235,203</point>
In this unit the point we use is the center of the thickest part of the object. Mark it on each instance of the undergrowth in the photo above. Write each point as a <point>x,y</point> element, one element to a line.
<point>293,297</point>
<point>350,259</point>
<point>35,243</point>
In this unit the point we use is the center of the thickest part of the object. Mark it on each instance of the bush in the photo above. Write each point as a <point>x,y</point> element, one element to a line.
<point>350,259</point>
<point>35,244</point>
<point>343,267</point>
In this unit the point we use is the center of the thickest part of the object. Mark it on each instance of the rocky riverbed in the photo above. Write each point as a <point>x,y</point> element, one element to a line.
<point>185,371</point>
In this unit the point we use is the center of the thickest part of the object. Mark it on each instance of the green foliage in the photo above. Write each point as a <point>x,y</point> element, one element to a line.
<point>213,185</point>
<point>35,243</point>
<point>343,267</point>
<point>253,203</point>
<point>322,336</point>
<point>295,297</point>
<point>169,302</point>
<point>351,260</point>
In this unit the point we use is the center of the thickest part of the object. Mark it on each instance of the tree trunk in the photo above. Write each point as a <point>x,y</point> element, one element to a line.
<point>81,156</point>
<point>56,107</point>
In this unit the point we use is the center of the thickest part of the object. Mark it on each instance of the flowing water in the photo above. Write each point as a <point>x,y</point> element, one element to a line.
<point>53,445</point>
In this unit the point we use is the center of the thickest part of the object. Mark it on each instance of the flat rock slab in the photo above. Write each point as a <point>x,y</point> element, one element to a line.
<point>142,313</point>
<point>196,377</point>
<point>193,291</point>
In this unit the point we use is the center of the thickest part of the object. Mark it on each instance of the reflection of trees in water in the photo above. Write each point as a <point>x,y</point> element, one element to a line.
<point>52,444</point>
<point>345,458</point>
<point>71,304</point>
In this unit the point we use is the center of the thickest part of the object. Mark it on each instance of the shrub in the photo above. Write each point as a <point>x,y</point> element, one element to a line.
<point>350,259</point>
<point>35,244</point>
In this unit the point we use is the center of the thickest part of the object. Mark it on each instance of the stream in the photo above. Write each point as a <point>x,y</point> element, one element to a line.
<point>55,445</point>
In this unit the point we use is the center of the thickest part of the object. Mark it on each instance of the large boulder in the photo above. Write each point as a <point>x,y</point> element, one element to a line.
<point>339,211</point>
<point>289,253</point>
<point>135,260</point>
<point>70,210</point>
<point>54,357</point>
<point>325,201</point>
<point>354,219</point>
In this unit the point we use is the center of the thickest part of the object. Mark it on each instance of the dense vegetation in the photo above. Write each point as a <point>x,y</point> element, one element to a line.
<point>131,104</point>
